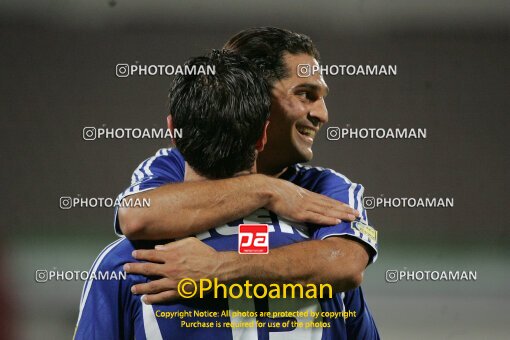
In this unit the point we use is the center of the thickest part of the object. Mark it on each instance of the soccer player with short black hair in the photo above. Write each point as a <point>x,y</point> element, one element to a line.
<point>223,118</point>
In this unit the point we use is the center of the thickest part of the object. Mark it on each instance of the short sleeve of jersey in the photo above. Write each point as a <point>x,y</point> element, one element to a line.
<point>362,325</point>
<point>166,166</point>
<point>337,186</point>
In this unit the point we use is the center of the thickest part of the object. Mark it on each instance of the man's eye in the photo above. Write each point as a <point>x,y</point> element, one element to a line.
<point>302,95</point>
<point>308,96</point>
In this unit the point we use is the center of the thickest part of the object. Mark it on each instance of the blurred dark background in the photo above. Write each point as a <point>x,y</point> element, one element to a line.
<point>58,76</point>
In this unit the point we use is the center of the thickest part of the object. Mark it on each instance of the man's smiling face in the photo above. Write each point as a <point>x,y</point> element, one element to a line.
<point>298,111</point>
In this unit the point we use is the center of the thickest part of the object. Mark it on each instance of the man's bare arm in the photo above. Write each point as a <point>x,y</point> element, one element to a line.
<point>183,209</point>
<point>335,260</point>
<point>338,261</point>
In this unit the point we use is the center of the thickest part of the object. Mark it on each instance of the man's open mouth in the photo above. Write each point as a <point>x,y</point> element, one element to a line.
<point>306,131</point>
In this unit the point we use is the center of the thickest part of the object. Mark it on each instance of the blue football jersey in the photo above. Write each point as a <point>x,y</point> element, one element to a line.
<point>167,166</point>
<point>109,310</point>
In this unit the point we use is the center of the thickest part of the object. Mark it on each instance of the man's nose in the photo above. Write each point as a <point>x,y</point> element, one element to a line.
<point>319,113</point>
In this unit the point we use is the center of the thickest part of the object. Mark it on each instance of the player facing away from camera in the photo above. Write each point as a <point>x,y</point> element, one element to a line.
<point>337,251</point>
<point>223,117</point>
<point>109,310</point>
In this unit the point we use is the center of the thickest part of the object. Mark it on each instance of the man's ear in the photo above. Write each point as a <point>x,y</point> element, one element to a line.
<point>170,125</point>
<point>263,138</point>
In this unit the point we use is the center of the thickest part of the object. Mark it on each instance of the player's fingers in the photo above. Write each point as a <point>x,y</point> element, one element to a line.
<point>341,208</point>
<point>328,201</point>
<point>169,247</point>
<point>333,207</point>
<point>340,214</point>
<point>316,218</point>
<point>163,297</point>
<point>146,269</point>
<point>148,255</point>
<point>153,287</point>
<point>343,214</point>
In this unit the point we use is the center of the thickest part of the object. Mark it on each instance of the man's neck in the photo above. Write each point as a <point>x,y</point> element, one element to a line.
<point>273,170</point>
<point>277,172</point>
<point>191,175</point>
<point>272,163</point>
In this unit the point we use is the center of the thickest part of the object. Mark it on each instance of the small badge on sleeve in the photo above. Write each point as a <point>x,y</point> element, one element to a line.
<point>366,230</point>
